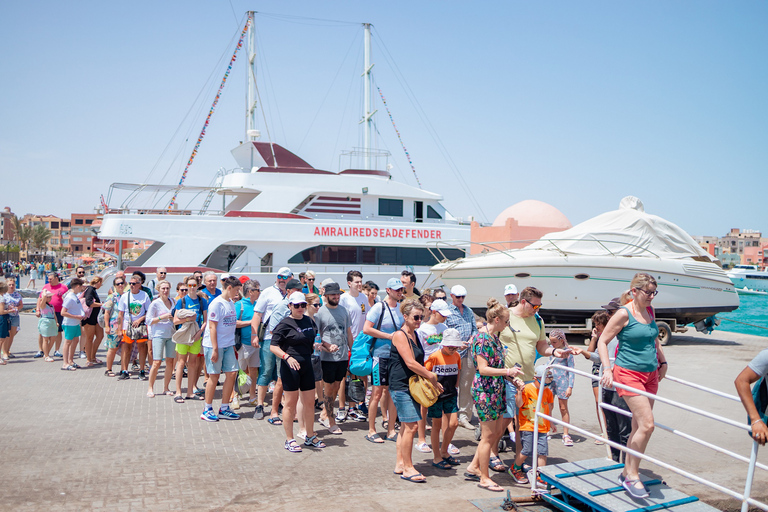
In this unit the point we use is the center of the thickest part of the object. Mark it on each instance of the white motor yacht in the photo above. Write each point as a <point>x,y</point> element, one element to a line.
<point>749,277</point>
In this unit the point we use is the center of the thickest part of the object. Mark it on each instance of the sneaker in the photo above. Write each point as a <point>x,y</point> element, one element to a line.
<point>124,376</point>
<point>235,403</point>
<point>357,415</point>
<point>57,354</point>
<point>143,375</point>
<point>517,475</point>
<point>464,422</point>
<point>38,355</point>
<point>424,448</point>
<point>227,414</point>
<point>259,414</point>
<point>629,486</point>
<point>209,415</point>
<point>341,416</point>
<point>82,354</point>
<point>254,402</point>
<point>363,409</point>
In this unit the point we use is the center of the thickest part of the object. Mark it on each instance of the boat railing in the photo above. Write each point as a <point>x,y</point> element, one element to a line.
<point>743,496</point>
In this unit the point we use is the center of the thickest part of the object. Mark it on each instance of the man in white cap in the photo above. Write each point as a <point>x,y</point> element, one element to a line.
<point>511,295</point>
<point>463,319</point>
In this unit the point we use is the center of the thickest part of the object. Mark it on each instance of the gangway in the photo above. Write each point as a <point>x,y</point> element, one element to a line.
<point>593,484</point>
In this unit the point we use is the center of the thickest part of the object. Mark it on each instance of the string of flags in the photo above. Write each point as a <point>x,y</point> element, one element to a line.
<point>210,114</point>
<point>407,155</point>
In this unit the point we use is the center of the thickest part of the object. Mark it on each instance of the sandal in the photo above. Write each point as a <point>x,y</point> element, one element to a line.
<point>69,368</point>
<point>374,438</point>
<point>443,464</point>
<point>418,478</point>
<point>178,399</point>
<point>150,394</point>
<point>424,448</point>
<point>491,487</point>
<point>275,421</point>
<point>314,442</point>
<point>567,441</point>
<point>450,460</point>
<point>108,373</point>
<point>49,359</point>
<point>292,446</point>
<point>495,464</point>
<point>336,430</point>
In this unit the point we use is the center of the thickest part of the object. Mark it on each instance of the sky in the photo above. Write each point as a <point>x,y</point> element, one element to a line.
<point>576,104</point>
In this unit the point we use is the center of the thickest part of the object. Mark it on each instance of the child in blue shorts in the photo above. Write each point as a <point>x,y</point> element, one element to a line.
<point>446,363</point>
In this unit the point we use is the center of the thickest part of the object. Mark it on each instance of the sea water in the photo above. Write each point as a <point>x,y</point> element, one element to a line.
<point>750,318</point>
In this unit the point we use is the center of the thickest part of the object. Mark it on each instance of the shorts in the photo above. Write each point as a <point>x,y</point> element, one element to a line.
<point>227,362</point>
<point>249,357</point>
<point>510,392</point>
<point>596,373</point>
<point>268,371</point>
<point>60,320</point>
<point>334,371</point>
<point>302,379</point>
<point>160,345</point>
<point>5,326</point>
<point>47,327</point>
<point>644,381</point>
<point>112,341</point>
<point>195,349</point>
<point>15,321</point>
<point>447,405</point>
<point>380,371</point>
<point>542,445</point>
<point>71,332</point>
<point>317,368</point>
<point>408,411</point>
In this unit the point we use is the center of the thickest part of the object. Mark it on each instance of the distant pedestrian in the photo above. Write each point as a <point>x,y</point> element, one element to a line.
<point>47,325</point>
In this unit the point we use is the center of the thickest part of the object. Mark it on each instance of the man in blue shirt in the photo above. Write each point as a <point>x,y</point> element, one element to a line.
<point>463,319</point>
<point>210,290</point>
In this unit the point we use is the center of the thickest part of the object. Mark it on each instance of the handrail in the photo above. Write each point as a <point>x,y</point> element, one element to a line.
<point>744,497</point>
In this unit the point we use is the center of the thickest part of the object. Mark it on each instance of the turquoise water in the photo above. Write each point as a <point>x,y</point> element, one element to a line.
<point>753,311</point>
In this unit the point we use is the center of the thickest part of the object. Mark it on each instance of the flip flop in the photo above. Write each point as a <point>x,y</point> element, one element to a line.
<point>374,438</point>
<point>443,464</point>
<point>411,478</point>
<point>275,421</point>
<point>471,477</point>
<point>392,438</point>
<point>450,460</point>
<point>178,399</point>
<point>150,394</point>
<point>169,393</point>
<point>335,430</point>
<point>69,368</point>
<point>491,487</point>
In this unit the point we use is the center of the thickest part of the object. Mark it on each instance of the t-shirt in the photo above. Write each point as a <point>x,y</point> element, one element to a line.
<point>13,300</point>
<point>356,307</point>
<point>431,336</point>
<point>222,312</point>
<point>759,364</point>
<point>295,337</point>
<point>381,347</point>
<point>280,311</point>
<point>58,295</point>
<point>210,295</point>
<point>138,308</point>
<point>527,412</point>
<point>244,312</point>
<point>163,328</point>
<point>197,305</point>
<point>520,339</point>
<point>268,299</point>
<point>332,324</point>
<point>72,303</point>
<point>447,369</point>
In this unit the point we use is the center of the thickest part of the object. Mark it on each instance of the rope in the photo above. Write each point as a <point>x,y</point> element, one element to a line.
<point>743,323</point>
<point>210,114</point>
<point>407,155</point>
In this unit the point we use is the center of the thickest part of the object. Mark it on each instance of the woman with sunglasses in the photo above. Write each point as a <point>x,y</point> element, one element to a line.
<point>407,359</point>
<point>188,354</point>
<point>313,304</point>
<point>110,322</point>
<point>640,364</point>
<point>160,323</point>
<point>292,342</point>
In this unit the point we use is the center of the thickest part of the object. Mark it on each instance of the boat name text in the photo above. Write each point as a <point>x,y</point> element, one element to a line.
<point>379,232</point>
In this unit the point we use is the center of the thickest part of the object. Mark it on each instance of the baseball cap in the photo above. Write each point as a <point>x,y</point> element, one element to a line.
<point>451,338</point>
<point>293,284</point>
<point>332,288</point>
<point>459,291</point>
<point>297,298</point>
<point>540,370</point>
<point>284,272</point>
<point>244,279</point>
<point>441,307</point>
<point>394,284</point>
<point>613,305</point>
<point>510,289</point>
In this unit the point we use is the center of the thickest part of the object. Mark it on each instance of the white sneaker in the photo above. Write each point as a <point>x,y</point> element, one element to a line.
<point>464,422</point>
<point>235,402</point>
<point>302,436</point>
<point>341,416</point>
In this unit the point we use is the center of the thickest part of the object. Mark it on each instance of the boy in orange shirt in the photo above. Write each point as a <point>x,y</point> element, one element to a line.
<point>446,363</point>
<point>525,399</point>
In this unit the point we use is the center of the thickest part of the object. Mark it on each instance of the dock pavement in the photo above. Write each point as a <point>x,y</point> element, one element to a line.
<point>83,441</point>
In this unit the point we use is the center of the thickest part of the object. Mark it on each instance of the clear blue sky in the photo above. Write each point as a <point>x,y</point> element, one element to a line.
<point>573,103</point>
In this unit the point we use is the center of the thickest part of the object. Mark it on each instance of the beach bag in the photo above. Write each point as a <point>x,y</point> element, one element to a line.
<point>135,333</point>
<point>100,317</point>
<point>355,389</point>
<point>361,357</point>
<point>760,397</point>
<point>239,331</point>
<point>86,308</point>
<point>421,389</point>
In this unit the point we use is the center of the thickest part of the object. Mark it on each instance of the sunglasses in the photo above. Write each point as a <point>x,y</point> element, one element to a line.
<point>316,304</point>
<point>183,289</point>
<point>460,296</point>
<point>121,283</point>
<point>418,318</point>
<point>256,290</point>
<point>534,306</point>
<point>283,278</point>
<point>135,284</point>
<point>311,279</point>
<point>300,306</point>
<point>162,273</point>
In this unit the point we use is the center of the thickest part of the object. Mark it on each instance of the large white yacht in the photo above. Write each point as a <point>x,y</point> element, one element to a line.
<point>749,277</point>
<point>278,210</point>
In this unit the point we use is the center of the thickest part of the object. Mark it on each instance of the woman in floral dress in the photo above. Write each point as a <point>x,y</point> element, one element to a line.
<point>488,391</point>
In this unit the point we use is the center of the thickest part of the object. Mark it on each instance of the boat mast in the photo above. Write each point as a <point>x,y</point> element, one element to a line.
<point>251,131</point>
<point>368,91</point>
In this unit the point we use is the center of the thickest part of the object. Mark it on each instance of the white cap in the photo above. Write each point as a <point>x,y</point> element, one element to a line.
<point>452,338</point>
<point>510,289</point>
<point>441,307</point>
<point>297,298</point>
<point>284,272</point>
<point>539,371</point>
<point>459,291</point>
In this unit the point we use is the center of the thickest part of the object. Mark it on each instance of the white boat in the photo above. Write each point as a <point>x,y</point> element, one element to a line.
<point>582,268</point>
<point>749,277</point>
<point>277,210</point>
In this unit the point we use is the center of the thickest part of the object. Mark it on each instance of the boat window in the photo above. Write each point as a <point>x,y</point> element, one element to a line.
<point>223,256</point>
<point>432,214</point>
<point>391,207</point>
<point>371,255</point>
<point>418,211</point>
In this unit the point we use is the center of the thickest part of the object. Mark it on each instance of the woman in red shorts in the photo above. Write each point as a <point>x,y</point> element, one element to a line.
<point>640,364</point>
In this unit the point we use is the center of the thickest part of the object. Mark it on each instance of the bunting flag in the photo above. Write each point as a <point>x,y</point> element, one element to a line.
<point>210,114</point>
<point>407,155</point>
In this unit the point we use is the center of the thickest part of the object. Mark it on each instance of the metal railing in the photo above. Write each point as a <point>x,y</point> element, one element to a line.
<point>744,496</point>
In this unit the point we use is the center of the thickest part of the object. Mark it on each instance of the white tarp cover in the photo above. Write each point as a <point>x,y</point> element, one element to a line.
<point>628,231</point>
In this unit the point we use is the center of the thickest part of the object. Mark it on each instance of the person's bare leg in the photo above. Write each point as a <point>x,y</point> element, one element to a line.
<point>96,344</point>
<point>169,364</point>
<point>308,404</point>
<point>289,412</point>
<point>181,360</point>
<point>642,428</point>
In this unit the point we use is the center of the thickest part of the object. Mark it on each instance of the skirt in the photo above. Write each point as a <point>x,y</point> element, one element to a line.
<point>47,327</point>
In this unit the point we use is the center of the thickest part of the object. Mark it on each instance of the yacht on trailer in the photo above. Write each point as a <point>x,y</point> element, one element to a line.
<point>278,210</point>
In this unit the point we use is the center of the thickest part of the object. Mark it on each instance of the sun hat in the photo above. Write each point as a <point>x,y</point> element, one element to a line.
<point>441,307</point>
<point>452,338</point>
<point>394,284</point>
<point>297,298</point>
<point>459,291</point>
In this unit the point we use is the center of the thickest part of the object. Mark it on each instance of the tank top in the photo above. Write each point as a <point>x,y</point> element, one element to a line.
<point>399,373</point>
<point>637,345</point>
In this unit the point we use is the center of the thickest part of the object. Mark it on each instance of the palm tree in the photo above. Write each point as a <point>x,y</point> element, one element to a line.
<point>21,233</point>
<point>40,237</point>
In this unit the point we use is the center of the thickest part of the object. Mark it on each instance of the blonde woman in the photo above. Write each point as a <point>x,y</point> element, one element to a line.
<point>160,323</point>
<point>5,322</point>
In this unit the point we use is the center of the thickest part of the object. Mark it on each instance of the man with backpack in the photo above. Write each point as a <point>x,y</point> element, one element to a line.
<point>755,400</point>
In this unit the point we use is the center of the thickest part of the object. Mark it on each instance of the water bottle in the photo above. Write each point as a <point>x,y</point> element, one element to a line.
<point>316,352</point>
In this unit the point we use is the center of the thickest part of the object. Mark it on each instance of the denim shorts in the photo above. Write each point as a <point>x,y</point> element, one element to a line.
<point>268,371</point>
<point>527,439</point>
<point>15,321</point>
<point>227,362</point>
<point>160,345</point>
<point>408,411</point>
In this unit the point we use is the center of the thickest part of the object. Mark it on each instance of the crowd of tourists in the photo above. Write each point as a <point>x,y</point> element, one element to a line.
<point>304,343</point>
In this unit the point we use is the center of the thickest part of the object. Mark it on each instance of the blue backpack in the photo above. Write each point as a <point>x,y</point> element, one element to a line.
<point>361,358</point>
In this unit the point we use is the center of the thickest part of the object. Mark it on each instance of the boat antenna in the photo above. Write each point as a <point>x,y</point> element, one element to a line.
<point>210,114</point>
<point>407,155</point>
<point>368,115</point>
